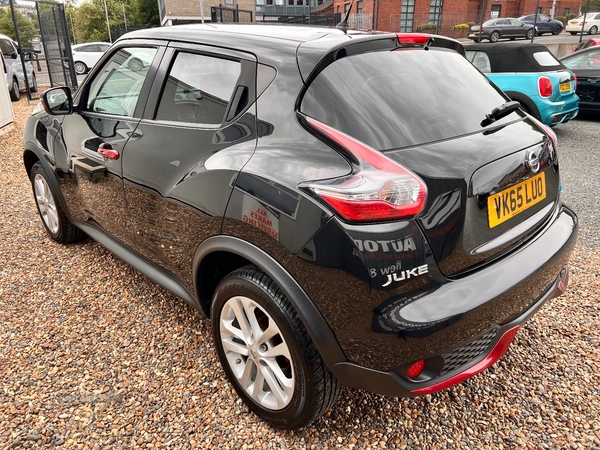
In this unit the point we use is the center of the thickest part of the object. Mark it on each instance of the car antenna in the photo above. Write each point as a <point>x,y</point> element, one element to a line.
<point>343,25</point>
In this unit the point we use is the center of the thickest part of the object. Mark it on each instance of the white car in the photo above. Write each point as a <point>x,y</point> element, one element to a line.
<point>15,79</point>
<point>85,56</point>
<point>592,24</point>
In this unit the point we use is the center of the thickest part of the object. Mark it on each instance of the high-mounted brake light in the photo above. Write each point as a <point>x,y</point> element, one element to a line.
<point>545,87</point>
<point>413,38</point>
<point>378,189</point>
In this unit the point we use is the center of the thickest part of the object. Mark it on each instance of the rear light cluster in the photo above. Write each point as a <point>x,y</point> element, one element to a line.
<point>545,87</point>
<point>378,188</point>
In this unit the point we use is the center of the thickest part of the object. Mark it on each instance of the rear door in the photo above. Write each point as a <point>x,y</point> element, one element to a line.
<point>198,130</point>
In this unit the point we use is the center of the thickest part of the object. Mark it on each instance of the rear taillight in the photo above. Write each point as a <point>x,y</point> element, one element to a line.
<point>545,87</point>
<point>378,188</point>
<point>575,79</point>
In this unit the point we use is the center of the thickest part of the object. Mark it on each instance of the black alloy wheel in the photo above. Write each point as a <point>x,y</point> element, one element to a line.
<point>266,352</point>
<point>529,34</point>
<point>556,30</point>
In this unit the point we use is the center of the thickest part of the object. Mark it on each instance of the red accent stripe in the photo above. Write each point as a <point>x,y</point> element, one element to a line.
<point>496,353</point>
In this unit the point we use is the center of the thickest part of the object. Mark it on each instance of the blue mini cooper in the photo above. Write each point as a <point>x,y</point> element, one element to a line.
<point>531,75</point>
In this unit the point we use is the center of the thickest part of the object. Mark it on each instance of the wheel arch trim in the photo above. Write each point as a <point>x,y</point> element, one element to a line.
<point>523,98</point>
<point>320,332</point>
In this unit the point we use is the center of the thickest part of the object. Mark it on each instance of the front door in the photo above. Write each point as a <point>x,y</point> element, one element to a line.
<point>108,110</point>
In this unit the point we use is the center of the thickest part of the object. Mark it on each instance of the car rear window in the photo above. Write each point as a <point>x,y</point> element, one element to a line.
<point>546,59</point>
<point>401,98</point>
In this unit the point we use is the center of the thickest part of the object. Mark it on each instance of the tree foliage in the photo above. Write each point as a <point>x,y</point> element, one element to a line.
<point>89,18</point>
<point>27,24</point>
<point>590,6</point>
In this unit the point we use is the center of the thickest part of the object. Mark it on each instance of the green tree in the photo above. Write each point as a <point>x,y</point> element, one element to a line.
<point>145,13</point>
<point>590,6</point>
<point>28,27</point>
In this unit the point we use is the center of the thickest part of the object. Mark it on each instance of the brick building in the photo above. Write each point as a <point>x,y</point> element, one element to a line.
<point>407,15</point>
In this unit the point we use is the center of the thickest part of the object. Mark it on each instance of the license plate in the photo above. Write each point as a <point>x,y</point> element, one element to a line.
<point>516,199</point>
<point>565,87</point>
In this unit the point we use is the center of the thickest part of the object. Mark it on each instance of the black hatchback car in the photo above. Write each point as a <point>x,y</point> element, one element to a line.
<point>348,209</point>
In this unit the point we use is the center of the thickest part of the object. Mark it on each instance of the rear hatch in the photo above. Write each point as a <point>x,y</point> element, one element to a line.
<point>489,188</point>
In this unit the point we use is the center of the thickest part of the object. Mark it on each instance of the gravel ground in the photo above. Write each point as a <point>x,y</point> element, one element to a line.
<point>94,355</point>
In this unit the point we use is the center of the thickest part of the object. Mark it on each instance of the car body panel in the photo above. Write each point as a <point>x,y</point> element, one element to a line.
<point>14,67</point>
<point>504,28</point>
<point>586,65</point>
<point>188,199</point>
<point>517,68</point>
<point>543,23</point>
<point>89,53</point>
<point>590,26</point>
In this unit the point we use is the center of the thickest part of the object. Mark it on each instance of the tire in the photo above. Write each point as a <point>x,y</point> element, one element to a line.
<point>573,33</point>
<point>57,225</point>
<point>556,30</point>
<point>529,34</point>
<point>15,91</point>
<point>80,68</point>
<point>296,386</point>
<point>135,64</point>
<point>33,81</point>
<point>593,30</point>
<point>495,36</point>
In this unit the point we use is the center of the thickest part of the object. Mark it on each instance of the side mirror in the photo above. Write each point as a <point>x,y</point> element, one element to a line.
<point>58,101</point>
<point>13,55</point>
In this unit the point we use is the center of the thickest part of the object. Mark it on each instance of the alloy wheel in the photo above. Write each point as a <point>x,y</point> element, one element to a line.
<point>46,203</point>
<point>257,353</point>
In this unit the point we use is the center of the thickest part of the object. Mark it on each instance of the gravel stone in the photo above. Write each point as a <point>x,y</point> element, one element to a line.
<point>95,355</point>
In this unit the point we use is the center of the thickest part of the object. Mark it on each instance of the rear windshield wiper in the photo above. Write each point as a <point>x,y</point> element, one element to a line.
<point>499,112</point>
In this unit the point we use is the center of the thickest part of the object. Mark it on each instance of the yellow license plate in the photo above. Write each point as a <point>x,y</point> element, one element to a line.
<point>516,199</point>
<point>565,87</point>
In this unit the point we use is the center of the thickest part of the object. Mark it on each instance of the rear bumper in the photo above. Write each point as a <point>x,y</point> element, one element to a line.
<point>553,113</point>
<point>465,307</point>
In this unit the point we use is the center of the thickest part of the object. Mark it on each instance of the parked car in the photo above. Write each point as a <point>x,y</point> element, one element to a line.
<point>530,74</point>
<point>497,29</point>
<point>15,77</point>
<point>591,42</point>
<point>586,66</point>
<point>592,24</point>
<point>544,24</point>
<point>85,56</point>
<point>318,195</point>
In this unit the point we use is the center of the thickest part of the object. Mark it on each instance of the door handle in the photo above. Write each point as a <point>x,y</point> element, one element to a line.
<point>107,151</point>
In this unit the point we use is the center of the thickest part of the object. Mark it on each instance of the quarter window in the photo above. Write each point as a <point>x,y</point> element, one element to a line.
<point>117,87</point>
<point>198,89</point>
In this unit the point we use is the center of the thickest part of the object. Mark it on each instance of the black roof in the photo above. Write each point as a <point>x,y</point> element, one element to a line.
<point>513,56</point>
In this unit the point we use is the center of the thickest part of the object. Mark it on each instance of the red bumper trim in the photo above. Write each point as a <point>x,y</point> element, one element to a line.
<point>494,355</point>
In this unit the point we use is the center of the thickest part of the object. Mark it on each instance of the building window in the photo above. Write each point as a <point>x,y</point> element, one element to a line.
<point>346,7</point>
<point>407,15</point>
<point>229,2</point>
<point>359,7</point>
<point>567,11</point>
<point>435,10</point>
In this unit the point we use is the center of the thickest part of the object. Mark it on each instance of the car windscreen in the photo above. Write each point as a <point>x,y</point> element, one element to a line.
<point>402,98</point>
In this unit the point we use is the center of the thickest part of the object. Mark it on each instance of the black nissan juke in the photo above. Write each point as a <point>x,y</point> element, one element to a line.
<point>358,209</point>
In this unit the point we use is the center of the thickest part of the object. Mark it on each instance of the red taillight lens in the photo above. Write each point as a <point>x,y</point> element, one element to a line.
<point>575,79</point>
<point>416,369</point>
<point>545,86</point>
<point>413,38</point>
<point>378,189</point>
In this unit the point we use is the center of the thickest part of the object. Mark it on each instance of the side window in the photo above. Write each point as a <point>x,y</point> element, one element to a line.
<point>116,88</point>
<point>479,60</point>
<point>198,89</point>
<point>6,48</point>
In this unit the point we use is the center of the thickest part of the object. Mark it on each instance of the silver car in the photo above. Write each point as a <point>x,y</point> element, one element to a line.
<point>15,79</point>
